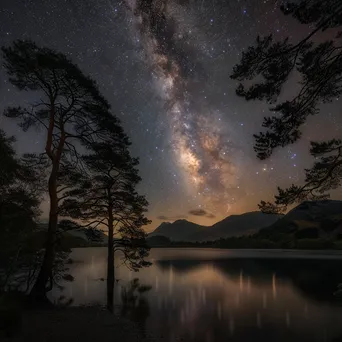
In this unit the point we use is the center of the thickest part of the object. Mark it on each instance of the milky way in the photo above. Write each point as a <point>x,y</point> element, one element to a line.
<point>201,148</point>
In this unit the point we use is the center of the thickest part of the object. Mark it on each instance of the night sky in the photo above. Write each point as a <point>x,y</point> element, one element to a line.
<point>172,91</point>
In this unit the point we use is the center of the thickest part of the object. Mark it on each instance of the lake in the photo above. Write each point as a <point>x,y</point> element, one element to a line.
<point>219,295</point>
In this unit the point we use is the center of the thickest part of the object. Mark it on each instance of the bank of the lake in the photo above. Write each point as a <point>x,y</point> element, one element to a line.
<point>251,242</point>
<point>200,295</point>
<point>86,324</point>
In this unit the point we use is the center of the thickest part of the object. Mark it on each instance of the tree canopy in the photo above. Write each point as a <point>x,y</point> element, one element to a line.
<point>73,114</point>
<point>107,198</point>
<point>319,65</point>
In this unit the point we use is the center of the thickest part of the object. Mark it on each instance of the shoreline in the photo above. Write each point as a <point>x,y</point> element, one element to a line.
<point>87,324</point>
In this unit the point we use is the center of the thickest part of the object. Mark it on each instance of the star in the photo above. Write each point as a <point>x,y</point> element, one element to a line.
<point>173,94</point>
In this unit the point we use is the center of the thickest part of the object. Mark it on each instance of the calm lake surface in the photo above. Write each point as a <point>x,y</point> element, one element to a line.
<point>219,295</point>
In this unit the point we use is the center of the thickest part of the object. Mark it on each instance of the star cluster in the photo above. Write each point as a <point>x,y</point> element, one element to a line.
<point>164,67</point>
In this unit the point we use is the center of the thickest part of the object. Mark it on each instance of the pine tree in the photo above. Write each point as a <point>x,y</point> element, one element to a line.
<point>108,198</point>
<point>320,68</point>
<point>71,112</point>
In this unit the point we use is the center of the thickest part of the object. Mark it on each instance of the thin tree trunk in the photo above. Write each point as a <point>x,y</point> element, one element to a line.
<point>110,264</point>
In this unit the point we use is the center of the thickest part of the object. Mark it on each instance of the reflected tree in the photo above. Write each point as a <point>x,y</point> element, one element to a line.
<point>134,303</point>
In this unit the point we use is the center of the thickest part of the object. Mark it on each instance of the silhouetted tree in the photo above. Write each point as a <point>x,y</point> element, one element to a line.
<point>71,111</point>
<point>19,201</point>
<point>320,68</point>
<point>108,198</point>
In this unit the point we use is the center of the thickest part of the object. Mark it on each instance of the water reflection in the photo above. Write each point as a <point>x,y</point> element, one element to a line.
<point>218,295</point>
<point>134,304</point>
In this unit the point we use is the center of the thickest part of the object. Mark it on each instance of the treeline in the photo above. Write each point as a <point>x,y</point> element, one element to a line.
<point>84,167</point>
<point>249,242</point>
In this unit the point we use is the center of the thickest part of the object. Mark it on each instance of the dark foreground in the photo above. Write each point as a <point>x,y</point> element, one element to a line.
<point>76,324</point>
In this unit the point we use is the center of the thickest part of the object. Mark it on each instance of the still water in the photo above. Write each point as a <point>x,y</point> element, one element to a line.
<point>222,295</point>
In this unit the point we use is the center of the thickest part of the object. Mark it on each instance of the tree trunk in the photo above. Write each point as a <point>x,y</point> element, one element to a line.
<point>110,264</point>
<point>45,274</point>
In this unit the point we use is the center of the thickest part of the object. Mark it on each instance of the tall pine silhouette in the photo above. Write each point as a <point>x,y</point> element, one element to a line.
<point>71,112</point>
<point>107,198</point>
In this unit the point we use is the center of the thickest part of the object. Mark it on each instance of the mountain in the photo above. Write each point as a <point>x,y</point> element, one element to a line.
<point>237,225</point>
<point>179,230</point>
<point>309,220</point>
<point>234,225</point>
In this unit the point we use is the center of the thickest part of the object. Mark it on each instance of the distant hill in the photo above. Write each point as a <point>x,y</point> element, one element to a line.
<point>179,230</point>
<point>309,220</point>
<point>81,237</point>
<point>234,225</point>
<point>158,241</point>
<point>93,236</point>
<point>237,225</point>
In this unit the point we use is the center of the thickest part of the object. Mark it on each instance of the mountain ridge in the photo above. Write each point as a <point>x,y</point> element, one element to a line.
<point>233,225</point>
<point>310,219</point>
